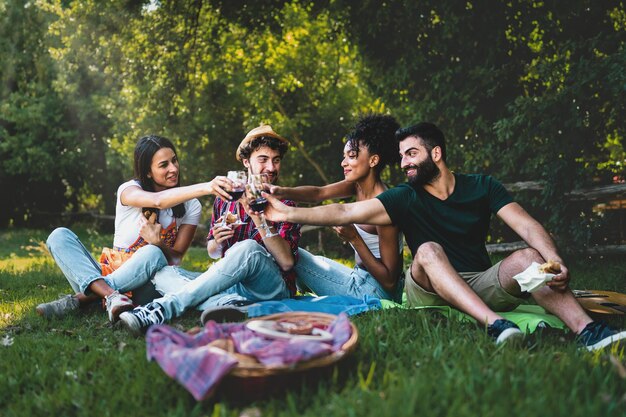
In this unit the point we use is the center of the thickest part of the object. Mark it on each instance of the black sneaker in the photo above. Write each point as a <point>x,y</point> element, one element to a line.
<point>142,317</point>
<point>233,311</point>
<point>503,330</point>
<point>597,335</point>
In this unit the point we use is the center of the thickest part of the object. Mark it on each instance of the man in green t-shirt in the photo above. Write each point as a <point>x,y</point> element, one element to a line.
<point>445,219</point>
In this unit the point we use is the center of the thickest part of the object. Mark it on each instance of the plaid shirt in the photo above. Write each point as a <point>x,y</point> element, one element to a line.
<point>290,232</point>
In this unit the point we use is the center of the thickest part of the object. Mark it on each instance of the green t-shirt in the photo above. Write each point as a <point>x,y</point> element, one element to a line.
<point>459,224</point>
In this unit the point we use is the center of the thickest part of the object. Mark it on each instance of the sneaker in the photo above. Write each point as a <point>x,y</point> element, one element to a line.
<point>142,317</point>
<point>58,308</point>
<point>504,331</point>
<point>116,304</point>
<point>233,311</point>
<point>597,335</point>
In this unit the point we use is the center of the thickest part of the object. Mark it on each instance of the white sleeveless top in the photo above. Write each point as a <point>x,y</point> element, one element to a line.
<point>372,242</point>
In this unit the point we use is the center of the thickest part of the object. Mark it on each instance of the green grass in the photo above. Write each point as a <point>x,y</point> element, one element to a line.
<point>408,363</point>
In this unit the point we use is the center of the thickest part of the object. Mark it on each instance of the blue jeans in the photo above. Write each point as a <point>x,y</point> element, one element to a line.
<point>324,276</point>
<point>81,269</point>
<point>246,271</point>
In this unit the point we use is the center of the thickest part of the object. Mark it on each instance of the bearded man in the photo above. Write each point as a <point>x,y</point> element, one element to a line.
<point>445,219</point>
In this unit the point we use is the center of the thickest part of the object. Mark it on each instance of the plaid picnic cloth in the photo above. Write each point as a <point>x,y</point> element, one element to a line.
<point>199,368</point>
<point>188,359</point>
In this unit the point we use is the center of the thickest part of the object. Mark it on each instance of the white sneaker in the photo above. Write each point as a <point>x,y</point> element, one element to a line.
<point>116,304</point>
<point>58,308</point>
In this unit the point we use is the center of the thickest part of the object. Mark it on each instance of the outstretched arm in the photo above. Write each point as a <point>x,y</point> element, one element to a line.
<point>312,193</point>
<point>536,236</point>
<point>367,212</point>
<point>135,196</point>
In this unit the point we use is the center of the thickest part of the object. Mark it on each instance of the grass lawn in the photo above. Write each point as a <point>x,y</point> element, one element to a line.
<point>408,363</point>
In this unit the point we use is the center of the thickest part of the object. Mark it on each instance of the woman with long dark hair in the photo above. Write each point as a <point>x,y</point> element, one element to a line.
<point>155,221</point>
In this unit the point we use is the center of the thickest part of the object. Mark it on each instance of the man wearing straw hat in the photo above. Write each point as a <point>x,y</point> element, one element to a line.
<point>256,261</point>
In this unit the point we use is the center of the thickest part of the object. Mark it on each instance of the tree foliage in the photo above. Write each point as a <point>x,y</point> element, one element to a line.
<point>37,148</point>
<point>524,90</point>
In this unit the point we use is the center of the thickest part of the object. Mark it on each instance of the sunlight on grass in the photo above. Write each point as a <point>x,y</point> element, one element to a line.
<point>22,264</point>
<point>12,312</point>
<point>19,253</point>
<point>408,362</point>
<point>347,262</point>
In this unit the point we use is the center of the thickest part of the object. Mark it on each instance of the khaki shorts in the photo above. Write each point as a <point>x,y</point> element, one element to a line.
<point>486,284</point>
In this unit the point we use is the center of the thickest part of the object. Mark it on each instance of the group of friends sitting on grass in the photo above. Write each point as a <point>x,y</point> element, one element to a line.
<point>443,215</point>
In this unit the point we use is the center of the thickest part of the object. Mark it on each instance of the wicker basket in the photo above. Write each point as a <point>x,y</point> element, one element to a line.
<point>255,381</point>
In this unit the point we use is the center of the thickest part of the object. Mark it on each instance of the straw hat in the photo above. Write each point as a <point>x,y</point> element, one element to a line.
<point>263,130</point>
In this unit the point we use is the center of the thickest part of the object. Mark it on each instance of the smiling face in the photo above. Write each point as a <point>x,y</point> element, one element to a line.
<point>164,169</point>
<point>417,162</point>
<point>357,164</point>
<point>264,160</point>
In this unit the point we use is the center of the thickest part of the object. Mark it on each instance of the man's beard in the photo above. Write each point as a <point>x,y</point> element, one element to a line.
<point>273,179</point>
<point>427,172</point>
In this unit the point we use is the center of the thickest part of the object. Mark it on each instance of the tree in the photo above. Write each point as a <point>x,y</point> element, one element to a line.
<point>524,90</point>
<point>300,73</point>
<point>190,74</point>
<point>39,160</point>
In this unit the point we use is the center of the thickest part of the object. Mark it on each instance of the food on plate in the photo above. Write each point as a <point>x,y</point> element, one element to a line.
<point>295,327</point>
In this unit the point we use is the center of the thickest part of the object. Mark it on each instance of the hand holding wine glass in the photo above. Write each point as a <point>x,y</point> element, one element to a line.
<point>256,200</point>
<point>275,210</point>
<point>239,179</point>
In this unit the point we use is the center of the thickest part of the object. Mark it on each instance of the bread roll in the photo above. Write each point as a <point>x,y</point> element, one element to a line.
<point>231,218</point>
<point>550,267</point>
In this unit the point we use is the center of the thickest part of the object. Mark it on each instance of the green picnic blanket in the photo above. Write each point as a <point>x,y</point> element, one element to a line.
<point>527,316</point>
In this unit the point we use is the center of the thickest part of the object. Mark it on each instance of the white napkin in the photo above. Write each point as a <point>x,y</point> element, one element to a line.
<point>532,279</point>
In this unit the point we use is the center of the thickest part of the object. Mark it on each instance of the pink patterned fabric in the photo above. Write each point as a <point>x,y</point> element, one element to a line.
<point>199,368</point>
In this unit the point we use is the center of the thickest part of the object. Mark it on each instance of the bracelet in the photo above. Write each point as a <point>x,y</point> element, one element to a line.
<point>268,231</point>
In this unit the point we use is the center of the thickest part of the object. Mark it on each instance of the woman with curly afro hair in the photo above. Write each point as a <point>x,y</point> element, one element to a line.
<point>369,148</point>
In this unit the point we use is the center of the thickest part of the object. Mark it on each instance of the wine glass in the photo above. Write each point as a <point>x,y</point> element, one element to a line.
<point>257,201</point>
<point>239,179</point>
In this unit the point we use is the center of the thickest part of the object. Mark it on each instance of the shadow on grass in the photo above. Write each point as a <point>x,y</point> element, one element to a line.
<point>407,363</point>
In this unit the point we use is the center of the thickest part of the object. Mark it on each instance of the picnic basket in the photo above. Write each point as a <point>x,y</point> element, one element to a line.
<point>251,381</point>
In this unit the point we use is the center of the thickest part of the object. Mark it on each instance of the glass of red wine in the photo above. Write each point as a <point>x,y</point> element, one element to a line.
<point>257,201</point>
<point>239,179</point>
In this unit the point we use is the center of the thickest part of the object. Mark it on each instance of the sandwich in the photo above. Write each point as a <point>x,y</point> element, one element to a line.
<point>550,267</point>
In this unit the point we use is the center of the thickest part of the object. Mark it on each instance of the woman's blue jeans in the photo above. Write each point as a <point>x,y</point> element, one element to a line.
<point>325,276</point>
<point>81,269</point>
